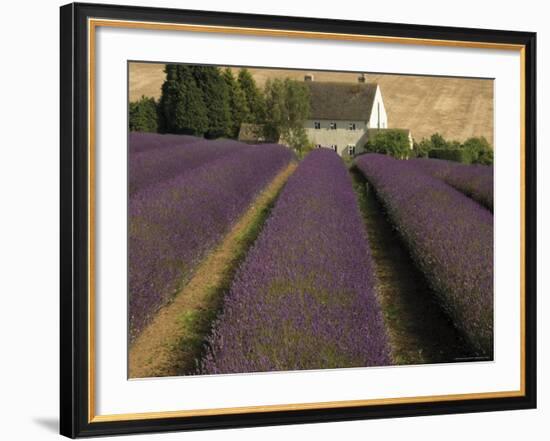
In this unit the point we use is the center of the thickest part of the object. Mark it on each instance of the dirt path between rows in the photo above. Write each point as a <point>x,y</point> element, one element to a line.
<point>419,331</point>
<point>172,343</point>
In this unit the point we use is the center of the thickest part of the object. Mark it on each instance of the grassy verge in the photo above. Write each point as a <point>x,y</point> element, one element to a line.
<point>419,330</point>
<point>173,342</point>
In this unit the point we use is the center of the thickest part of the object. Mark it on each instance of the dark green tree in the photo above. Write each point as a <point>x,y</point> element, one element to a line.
<point>434,142</point>
<point>254,98</point>
<point>390,142</point>
<point>167,98</point>
<point>475,150</point>
<point>287,108</point>
<point>216,99</point>
<point>181,106</point>
<point>438,142</point>
<point>421,149</point>
<point>237,103</point>
<point>486,158</point>
<point>143,115</point>
<point>479,149</point>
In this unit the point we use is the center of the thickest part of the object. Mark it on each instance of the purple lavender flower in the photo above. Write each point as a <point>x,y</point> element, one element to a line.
<point>475,181</point>
<point>304,298</point>
<point>176,220</point>
<point>144,141</point>
<point>174,158</point>
<point>450,237</point>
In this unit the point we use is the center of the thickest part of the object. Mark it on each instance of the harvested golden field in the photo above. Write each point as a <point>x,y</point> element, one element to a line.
<point>145,79</point>
<point>457,108</point>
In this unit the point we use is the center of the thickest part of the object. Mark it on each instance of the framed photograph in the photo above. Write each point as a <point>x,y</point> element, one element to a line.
<point>273,220</point>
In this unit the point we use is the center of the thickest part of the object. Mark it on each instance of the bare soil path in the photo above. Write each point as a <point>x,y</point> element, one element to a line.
<point>172,343</point>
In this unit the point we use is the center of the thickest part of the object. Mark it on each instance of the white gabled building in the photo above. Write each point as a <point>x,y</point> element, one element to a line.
<point>343,116</point>
<point>342,113</point>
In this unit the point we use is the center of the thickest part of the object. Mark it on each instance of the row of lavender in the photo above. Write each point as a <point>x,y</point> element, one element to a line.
<point>155,158</point>
<point>176,219</point>
<point>450,237</point>
<point>143,141</point>
<point>473,180</point>
<point>304,297</point>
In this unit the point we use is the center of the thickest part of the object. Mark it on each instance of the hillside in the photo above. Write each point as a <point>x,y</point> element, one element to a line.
<point>455,107</point>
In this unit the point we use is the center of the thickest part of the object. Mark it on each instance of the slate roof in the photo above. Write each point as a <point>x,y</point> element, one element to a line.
<point>341,101</point>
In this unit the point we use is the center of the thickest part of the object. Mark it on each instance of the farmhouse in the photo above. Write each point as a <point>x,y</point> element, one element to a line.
<point>341,114</point>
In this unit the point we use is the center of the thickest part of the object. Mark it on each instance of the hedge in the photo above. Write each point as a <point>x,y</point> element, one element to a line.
<point>457,155</point>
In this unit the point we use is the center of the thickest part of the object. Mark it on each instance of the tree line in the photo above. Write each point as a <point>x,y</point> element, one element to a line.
<point>395,142</point>
<point>214,103</point>
<point>475,150</point>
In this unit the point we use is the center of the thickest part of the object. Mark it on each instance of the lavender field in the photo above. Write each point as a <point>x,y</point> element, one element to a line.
<point>143,141</point>
<point>302,284</point>
<point>305,296</point>
<point>475,181</point>
<point>183,202</point>
<point>450,237</point>
<point>157,158</point>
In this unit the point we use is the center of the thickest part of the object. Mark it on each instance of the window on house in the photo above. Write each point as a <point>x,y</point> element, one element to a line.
<point>351,150</point>
<point>334,147</point>
<point>351,126</point>
<point>332,126</point>
<point>317,125</point>
<point>318,146</point>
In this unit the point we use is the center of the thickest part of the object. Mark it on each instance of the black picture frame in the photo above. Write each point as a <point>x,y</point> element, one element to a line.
<point>75,413</point>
